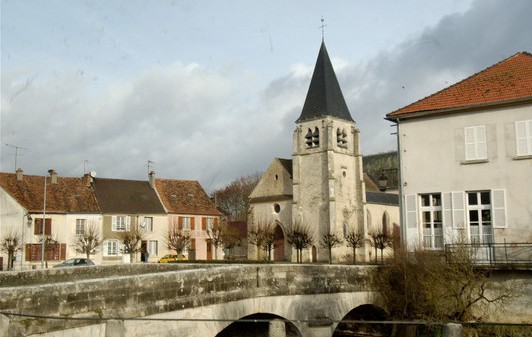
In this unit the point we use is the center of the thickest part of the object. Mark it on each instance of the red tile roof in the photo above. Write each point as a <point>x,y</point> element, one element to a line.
<point>507,82</point>
<point>185,197</point>
<point>69,195</point>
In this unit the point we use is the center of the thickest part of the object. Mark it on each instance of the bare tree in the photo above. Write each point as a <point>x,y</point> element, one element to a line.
<point>11,244</point>
<point>234,198</point>
<point>354,240</point>
<point>177,240</point>
<point>221,235</point>
<point>300,237</point>
<point>263,236</point>
<point>89,241</point>
<point>380,240</point>
<point>132,241</point>
<point>50,244</point>
<point>330,241</point>
<point>421,285</point>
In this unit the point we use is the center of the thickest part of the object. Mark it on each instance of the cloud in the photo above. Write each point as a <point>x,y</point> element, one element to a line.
<point>214,125</point>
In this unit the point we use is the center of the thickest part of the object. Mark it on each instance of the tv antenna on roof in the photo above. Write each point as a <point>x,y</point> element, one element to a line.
<point>16,147</point>
<point>149,164</point>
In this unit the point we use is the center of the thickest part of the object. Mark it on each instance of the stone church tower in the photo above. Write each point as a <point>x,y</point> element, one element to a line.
<point>322,187</point>
<point>328,186</point>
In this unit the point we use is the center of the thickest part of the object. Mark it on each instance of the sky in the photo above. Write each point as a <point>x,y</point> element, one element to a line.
<point>210,90</point>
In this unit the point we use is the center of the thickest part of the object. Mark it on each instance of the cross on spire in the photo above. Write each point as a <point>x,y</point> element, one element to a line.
<point>322,28</point>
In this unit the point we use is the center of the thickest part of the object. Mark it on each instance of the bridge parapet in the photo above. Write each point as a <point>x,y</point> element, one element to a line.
<point>154,291</point>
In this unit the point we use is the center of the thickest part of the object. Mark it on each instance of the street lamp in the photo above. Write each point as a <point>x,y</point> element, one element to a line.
<point>383,179</point>
<point>43,225</point>
<point>28,222</point>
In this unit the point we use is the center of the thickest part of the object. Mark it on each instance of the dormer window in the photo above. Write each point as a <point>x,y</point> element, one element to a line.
<point>312,139</point>
<point>341,138</point>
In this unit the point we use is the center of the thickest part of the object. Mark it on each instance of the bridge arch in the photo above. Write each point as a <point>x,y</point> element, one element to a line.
<point>365,312</point>
<point>259,328</point>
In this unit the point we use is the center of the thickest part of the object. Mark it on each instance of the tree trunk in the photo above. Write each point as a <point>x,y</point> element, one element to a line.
<point>354,255</point>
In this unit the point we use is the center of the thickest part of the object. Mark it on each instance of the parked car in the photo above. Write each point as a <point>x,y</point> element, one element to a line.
<point>171,258</point>
<point>75,262</point>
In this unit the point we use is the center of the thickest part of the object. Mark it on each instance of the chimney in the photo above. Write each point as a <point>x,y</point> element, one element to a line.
<point>53,175</point>
<point>88,179</point>
<point>20,174</point>
<point>152,179</point>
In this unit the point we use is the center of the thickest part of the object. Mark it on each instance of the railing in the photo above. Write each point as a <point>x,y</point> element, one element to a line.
<point>492,254</point>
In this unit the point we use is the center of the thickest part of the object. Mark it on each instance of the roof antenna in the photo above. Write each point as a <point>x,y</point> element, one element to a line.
<point>149,162</point>
<point>16,152</point>
<point>322,29</point>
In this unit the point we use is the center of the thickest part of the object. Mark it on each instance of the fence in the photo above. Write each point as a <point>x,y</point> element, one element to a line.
<point>493,254</point>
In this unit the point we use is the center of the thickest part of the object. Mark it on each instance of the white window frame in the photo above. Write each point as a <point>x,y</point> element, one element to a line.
<point>81,226</point>
<point>153,248</point>
<point>433,235</point>
<point>485,232</point>
<point>523,138</point>
<point>121,223</point>
<point>209,223</point>
<point>475,143</point>
<point>185,222</point>
<point>111,248</point>
<point>148,224</point>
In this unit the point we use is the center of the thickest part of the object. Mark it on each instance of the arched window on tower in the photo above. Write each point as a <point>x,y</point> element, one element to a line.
<point>341,138</point>
<point>312,139</point>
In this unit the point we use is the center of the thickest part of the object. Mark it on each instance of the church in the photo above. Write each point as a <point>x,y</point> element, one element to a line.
<point>322,187</point>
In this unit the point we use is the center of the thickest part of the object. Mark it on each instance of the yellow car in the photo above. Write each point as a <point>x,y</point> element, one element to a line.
<point>171,258</point>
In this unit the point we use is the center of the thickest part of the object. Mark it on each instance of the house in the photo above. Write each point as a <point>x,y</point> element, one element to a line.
<point>466,162</point>
<point>70,209</point>
<point>190,209</point>
<point>322,186</point>
<point>130,205</point>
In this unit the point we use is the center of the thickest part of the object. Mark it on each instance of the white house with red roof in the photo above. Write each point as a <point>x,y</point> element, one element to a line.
<point>466,162</point>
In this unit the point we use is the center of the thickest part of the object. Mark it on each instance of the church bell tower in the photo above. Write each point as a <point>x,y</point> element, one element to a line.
<point>328,187</point>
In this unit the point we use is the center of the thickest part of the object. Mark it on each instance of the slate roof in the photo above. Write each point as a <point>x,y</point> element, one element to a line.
<point>507,82</point>
<point>324,96</point>
<point>69,195</point>
<point>382,198</point>
<point>185,197</point>
<point>126,196</point>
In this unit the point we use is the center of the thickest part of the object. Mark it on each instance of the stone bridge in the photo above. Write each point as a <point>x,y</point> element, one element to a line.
<point>181,299</point>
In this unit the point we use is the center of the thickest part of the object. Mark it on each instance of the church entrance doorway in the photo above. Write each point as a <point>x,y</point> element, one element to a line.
<point>278,244</point>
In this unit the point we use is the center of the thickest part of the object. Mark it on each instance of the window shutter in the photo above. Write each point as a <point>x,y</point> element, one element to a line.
<point>498,198</point>
<point>204,223</point>
<point>48,226</point>
<point>458,209</point>
<point>113,225</point>
<point>128,223</point>
<point>482,151</point>
<point>37,229</point>
<point>447,209</point>
<point>192,222</point>
<point>192,244</point>
<point>215,221</point>
<point>180,223</point>
<point>411,210</point>
<point>469,135</point>
<point>28,252</point>
<point>63,251</point>
<point>523,137</point>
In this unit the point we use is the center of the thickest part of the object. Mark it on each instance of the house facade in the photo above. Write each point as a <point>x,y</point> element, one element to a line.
<point>466,160</point>
<point>70,207</point>
<point>322,187</point>
<point>190,211</point>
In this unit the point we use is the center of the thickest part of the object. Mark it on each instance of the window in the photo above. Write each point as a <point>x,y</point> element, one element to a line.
<point>523,137</point>
<point>475,143</point>
<point>277,208</point>
<point>80,226</point>
<point>341,138</point>
<point>148,224</point>
<point>431,220</point>
<point>185,222</point>
<point>209,223</point>
<point>479,216</point>
<point>312,139</point>
<point>153,248</point>
<point>121,223</point>
<point>47,226</point>
<point>110,248</point>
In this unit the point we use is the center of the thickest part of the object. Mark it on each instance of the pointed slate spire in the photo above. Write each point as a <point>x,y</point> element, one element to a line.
<point>324,97</point>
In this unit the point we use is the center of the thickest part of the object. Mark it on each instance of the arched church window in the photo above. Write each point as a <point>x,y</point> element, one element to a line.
<point>316,137</point>
<point>341,138</point>
<point>385,224</point>
<point>308,138</point>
